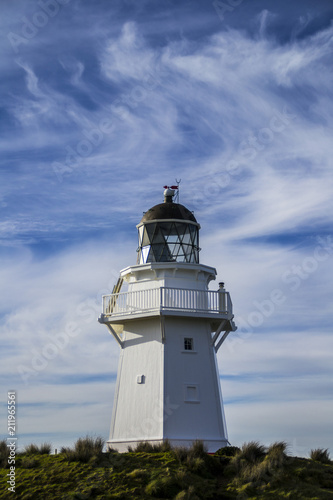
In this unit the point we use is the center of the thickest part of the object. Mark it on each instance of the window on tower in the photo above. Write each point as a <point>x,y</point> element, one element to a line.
<point>191,393</point>
<point>188,344</point>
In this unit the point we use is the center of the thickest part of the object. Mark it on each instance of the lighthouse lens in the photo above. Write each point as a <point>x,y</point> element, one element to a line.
<point>168,242</point>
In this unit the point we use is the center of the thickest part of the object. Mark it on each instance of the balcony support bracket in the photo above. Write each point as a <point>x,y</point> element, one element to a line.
<point>222,339</point>
<point>225,326</point>
<point>115,334</point>
<point>102,320</point>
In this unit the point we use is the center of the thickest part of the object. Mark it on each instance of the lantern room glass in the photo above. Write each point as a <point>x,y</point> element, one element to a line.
<point>172,241</point>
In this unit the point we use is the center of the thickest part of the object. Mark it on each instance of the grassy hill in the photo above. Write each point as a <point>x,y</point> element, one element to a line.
<point>85,472</point>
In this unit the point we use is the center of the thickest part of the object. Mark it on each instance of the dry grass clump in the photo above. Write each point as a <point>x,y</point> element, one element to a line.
<point>249,454</point>
<point>320,455</point>
<point>4,453</point>
<point>252,451</point>
<point>227,451</point>
<point>164,486</point>
<point>197,450</point>
<point>183,477</point>
<point>178,484</point>
<point>85,449</point>
<point>146,447</point>
<point>181,453</point>
<point>277,454</point>
<point>188,494</point>
<point>137,474</point>
<point>225,454</point>
<point>29,462</point>
<point>254,465</point>
<point>33,449</point>
<point>195,459</point>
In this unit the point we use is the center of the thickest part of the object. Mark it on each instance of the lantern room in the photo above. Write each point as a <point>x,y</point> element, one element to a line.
<point>168,232</point>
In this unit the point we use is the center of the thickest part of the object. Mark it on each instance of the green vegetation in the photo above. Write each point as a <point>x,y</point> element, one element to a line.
<point>43,449</point>
<point>4,454</point>
<point>160,471</point>
<point>320,455</point>
<point>85,450</point>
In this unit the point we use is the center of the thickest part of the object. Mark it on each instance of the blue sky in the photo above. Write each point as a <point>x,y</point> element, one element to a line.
<point>101,104</point>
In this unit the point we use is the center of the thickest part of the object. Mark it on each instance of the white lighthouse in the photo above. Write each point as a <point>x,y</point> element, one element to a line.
<point>169,326</point>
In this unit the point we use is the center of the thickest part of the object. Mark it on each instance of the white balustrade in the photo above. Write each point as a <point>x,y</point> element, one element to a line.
<point>166,298</point>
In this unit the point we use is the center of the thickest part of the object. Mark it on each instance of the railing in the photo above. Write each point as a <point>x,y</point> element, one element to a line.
<point>166,298</point>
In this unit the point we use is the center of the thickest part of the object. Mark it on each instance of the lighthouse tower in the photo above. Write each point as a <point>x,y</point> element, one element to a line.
<point>169,326</point>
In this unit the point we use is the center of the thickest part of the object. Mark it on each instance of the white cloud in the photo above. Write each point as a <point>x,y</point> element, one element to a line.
<point>127,57</point>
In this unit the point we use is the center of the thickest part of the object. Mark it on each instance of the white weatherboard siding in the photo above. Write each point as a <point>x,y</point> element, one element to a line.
<point>191,383</point>
<point>138,407</point>
<point>163,390</point>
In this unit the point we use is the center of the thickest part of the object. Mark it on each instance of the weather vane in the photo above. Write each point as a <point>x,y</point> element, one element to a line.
<point>176,188</point>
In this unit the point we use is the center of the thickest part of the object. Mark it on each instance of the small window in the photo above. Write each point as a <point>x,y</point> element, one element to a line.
<point>191,393</point>
<point>188,344</point>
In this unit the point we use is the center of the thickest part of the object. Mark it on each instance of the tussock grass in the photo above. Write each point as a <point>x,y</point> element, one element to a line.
<point>85,449</point>
<point>111,450</point>
<point>252,451</point>
<point>196,459</point>
<point>181,453</point>
<point>179,474</point>
<point>137,473</point>
<point>188,494</point>
<point>146,447</point>
<point>29,462</point>
<point>249,454</point>
<point>33,449</point>
<point>227,451</point>
<point>196,464</point>
<point>4,453</point>
<point>65,449</point>
<point>183,477</point>
<point>163,487</point>
<point>276,454</point>
<point>226,454</point>
<point>320,455</point>
<point>255,466</point>
<point>197,450</point>
<point>278,446</point>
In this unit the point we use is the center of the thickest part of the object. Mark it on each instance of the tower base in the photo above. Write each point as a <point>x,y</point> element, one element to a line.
<point>211,445</point>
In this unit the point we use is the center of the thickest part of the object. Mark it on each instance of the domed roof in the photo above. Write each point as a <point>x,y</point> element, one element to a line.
<point>168,210</point>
